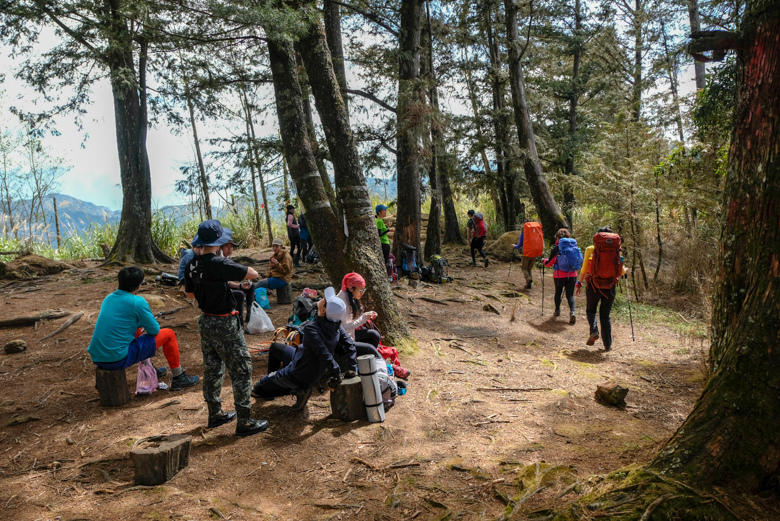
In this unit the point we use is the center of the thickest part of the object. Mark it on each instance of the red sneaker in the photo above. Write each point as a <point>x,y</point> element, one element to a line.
<point>400,372</point>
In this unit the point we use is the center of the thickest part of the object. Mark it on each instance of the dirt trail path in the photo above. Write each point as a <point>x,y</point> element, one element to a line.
<point>453,447</point>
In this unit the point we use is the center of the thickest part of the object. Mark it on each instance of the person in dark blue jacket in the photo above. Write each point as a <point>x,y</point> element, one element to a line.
<point>322,336</point>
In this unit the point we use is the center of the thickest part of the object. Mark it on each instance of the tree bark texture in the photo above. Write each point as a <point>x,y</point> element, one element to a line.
<point>324,227</point>
<point>452,233</point>
<point>732,435</point>
<point>363,250</point>
<point>433,232</point>
<point>410,128</point>
<point>569,201</point>
<point>636,95</point>
<point>134,235</point>
<point>332,19</point>
<point>550,215</point>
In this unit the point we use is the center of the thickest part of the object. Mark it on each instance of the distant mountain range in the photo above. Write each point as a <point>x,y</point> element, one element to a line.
<point>76,216</point>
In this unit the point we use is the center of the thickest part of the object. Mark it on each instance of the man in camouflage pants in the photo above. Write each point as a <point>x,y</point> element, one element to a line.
<point>222,338</point>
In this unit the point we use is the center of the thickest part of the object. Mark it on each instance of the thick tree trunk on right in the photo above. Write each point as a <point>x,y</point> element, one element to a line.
<point>409,128</point>
<point>363,250</point>
<point>549,213</point>
<point>325,228</point>
<point>732,437</point>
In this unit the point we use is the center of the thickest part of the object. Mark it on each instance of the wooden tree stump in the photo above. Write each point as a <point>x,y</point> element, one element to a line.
<point>284,294</point>
<point>346,402</point>
<point>112,387</point>
<point>158,458</point>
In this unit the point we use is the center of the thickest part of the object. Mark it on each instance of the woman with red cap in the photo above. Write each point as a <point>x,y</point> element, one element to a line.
<point>353,287</point>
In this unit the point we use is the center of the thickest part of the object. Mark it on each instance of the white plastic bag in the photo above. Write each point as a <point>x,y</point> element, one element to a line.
<point>258,321</point>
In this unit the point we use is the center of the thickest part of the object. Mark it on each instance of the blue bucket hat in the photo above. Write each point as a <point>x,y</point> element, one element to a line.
<point>211,233</point>
<point>381,207</point>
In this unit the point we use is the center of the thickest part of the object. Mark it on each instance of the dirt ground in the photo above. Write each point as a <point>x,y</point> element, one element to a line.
<point>489,398</point>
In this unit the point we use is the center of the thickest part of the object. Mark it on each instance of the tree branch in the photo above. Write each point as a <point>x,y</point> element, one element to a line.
<point>373,98</point>
<point>373,17</point>
<point>719,42</point>
<point>71,33</point>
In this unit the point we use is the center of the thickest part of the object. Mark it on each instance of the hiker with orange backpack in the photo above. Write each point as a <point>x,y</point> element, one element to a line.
<point>531,245</point>
<point>601,268</point>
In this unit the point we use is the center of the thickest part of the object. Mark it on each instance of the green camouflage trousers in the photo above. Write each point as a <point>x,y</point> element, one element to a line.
<point>222,342</point>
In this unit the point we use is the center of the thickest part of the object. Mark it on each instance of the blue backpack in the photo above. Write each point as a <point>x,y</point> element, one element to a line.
<point>569,255</point>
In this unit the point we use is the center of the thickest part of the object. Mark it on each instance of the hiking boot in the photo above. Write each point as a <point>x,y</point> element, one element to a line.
<point>161,371</point>
<point>246,426</point>
<point>183,381</point>
<point>528,284</point>
<point>594,335</point>
<point>401,372</point>
<point>302,396</point>
<point>473,263</point>
<point>573,318</point>
<point>557,313</point>
<point>486,262</point>
<point>219,417</point>
<point>607,348</point>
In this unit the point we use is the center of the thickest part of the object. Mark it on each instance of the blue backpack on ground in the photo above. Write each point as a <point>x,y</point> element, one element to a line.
<point>261,296</point>
<point>569,255</point>
<point>409,259</point>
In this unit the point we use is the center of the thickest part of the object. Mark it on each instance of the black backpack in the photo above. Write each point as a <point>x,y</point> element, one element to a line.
<point>409,259</point>
<point>313,257</point>
<point>304,309</point>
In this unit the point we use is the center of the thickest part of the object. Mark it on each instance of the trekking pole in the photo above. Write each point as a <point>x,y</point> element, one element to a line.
<point>510,263</point>
<point>542,288</point>
<point>630,316</point>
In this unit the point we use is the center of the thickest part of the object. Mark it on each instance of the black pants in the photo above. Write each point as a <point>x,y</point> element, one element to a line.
<point>277,354</point>
<point>476,245</point>
<point>386,253</point>
<point>295,248</point>
<point>241,296</point>
<point>368,336</point>
<point>606,297</point>
<point>566,283</point>
<point>304,248</point>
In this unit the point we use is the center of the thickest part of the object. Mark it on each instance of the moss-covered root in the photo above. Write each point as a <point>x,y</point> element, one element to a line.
<point>637,494</point>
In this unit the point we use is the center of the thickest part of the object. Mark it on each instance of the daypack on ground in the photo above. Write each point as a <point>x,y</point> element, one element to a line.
<point>533,240</point>
<point>606,265</point>
<point>290,335</point>
<point>569,255</point>
<point>304,308</point>
<point>409,259</point>
<point>313,257</point>
<point>438,272</point>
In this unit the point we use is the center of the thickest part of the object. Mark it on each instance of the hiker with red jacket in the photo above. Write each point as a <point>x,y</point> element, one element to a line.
<point>566,257</point>
<point>601,268</point>
<point>479,234</point>
<point>531,246</point>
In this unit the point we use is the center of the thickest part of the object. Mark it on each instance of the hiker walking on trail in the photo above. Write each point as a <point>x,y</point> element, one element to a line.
<point>117,341</point>
<point>531,246</point>
<point>322,336</point>
<point>478,233</point>
<point>566,257</point>
<point>601,268</point>
<point>384,240</point>
<point>221,336</point>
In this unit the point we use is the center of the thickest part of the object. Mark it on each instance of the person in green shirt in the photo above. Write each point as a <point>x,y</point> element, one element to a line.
<point>381,212</point>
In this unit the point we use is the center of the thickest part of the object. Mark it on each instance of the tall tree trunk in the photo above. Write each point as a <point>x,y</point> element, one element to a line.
<point>363,250</point>
<point>134,242</point>
<point>637,87</point>
<point>433,233</point>
<point>452,233</point>
<point>332,19</point>
<point>569,201</point>
<point>204,183</point>
<point>409,127</point>
<point>698,67</point>
<point>263,190</point>
<point>732,435</point>
<point>325,227</point>
<point>254,165</point>
<point>671,68</point>
<point>549,213</point>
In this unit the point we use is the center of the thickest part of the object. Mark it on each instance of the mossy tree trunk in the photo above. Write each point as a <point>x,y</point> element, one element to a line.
<point>732,437</point>
<point>363,250</point>
<point>325,227</point>
<point>410,114</point>
<point>549,213</point>
<point>134,236</point>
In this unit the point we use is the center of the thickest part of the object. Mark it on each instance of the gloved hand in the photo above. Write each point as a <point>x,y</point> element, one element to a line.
<point>350,374</point>
<point>334,381</point>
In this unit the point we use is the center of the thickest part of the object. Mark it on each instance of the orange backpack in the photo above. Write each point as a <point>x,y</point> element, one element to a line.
<point>606,265</point>
<point>533,240</point>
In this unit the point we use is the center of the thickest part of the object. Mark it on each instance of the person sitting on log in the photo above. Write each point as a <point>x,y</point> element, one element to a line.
<point>353,287</point>
<point>280,270</point>
<point>322,337</point>
<point>117,341</point>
